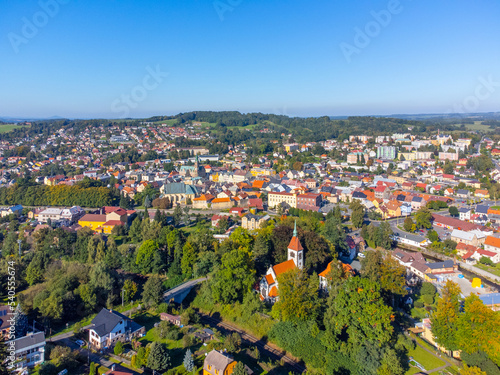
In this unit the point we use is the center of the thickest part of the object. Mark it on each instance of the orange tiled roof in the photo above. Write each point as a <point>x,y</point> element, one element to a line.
<point>283,267</point>
<point>295,244</point>
<point>492,241</point>
<point>269,279</point>
<point>273,292</point>
<point>220,200</point>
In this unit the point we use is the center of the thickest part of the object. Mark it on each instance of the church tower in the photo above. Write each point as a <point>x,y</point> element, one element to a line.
<point>196,167</point>
<point>295,250</point>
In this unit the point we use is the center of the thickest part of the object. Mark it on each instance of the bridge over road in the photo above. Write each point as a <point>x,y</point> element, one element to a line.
<point>181,291</point>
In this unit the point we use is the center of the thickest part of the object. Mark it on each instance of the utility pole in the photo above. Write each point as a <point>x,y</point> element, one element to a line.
<point>19,243</point>
<point>123,290</point>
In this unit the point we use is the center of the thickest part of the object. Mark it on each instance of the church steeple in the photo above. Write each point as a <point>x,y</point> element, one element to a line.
<point>295,249</point>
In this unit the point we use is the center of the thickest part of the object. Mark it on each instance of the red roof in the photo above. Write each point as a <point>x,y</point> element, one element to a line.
<point>283,267</point>
<point>112,222</point>
<point>295,244</point>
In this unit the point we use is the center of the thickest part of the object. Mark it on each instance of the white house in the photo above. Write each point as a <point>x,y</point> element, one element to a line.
<point>29,350</point>
<point>110,326</point>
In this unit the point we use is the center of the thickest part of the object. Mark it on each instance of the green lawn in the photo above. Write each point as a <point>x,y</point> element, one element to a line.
<point>493,270</point>
<point>427,360</point>
<point>5,128</point>
<point>478,125</point>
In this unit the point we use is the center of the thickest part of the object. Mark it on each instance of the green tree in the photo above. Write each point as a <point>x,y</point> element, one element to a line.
<point>453,211</point>
<point>129,290</point>
<point>118,349</point>
<point>423,218</point>
<point>188,258</point>
<point>445,319</point>
<point>158,358</point>
<point>408,224</point>
<point>145,255</point>
<point>153,290</point>
<point>356,316</point>
<point>298,296</point>
<point>478,329</point>
<point>433,236</point>
<point>177,215</point>
<point>239,369</point>
<point>232,342</point>
<point>234,278</point>
<point>358,213</point>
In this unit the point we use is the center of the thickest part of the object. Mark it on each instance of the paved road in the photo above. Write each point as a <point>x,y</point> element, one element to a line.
<point>269,350</point>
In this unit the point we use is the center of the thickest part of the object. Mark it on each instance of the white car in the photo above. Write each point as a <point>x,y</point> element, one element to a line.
<point>361,255</point>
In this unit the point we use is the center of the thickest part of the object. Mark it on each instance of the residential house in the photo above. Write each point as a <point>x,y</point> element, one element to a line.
<point>482,193</point>
<point>203,201</point>
<point>222,203</point>
<point>474,237</point>
<point>110,326</point>
<point>492,244</point>
<point>218,363</point>
<point>464,213</point>
<point>173,319</point>
<point>254,222</point>
<point>29,350</point>
<point>462,193</point>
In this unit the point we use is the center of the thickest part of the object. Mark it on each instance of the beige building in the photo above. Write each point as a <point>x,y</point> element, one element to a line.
<point>275,199</point>
<point>254,222</point>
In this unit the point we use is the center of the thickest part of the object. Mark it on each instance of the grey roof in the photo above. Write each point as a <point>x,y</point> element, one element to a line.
<point>490,299</point>
<point>106,320</point>
<point>481,209</point>
<point>417,199</point>
<point>28,341</point>
<point>463,209</point>
<point>438,265</point>
<point>217,360</point>
<point>178,188</point>
<point>463,192</point>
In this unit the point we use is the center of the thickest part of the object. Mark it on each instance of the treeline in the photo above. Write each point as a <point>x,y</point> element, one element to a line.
<point>60,195</point>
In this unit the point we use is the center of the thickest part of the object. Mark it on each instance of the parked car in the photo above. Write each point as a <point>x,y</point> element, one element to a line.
<point>361,255</point>
<point>80,343</point>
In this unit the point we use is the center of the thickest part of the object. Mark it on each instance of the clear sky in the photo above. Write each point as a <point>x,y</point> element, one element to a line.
<point>117,58</point>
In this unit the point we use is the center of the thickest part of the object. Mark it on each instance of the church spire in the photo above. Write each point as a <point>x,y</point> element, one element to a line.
<point>295,229</point>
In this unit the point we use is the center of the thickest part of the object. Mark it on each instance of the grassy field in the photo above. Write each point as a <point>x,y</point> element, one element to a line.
<point>427,360</point>
<point>5,128</point>
<point>478,125</point>
<point>493,270</point>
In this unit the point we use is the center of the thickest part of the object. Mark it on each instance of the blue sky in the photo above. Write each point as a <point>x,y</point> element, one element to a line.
<point>94,58</point>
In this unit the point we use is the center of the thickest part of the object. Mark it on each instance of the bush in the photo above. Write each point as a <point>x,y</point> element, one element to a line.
<point>418,304</point>
<point>118,348</point>
<point>486,261</point>
<point>173,334</point>
<point>188,341</point>
<point>162,308</point>
<point>428,299</point>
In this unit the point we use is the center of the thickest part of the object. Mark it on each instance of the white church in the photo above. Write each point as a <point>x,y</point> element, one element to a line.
<point>269,283</point>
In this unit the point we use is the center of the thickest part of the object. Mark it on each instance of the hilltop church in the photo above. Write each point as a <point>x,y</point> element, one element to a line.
<point>269,283</point>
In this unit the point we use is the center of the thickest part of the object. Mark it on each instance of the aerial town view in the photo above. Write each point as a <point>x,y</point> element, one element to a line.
<point>232,187</point>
